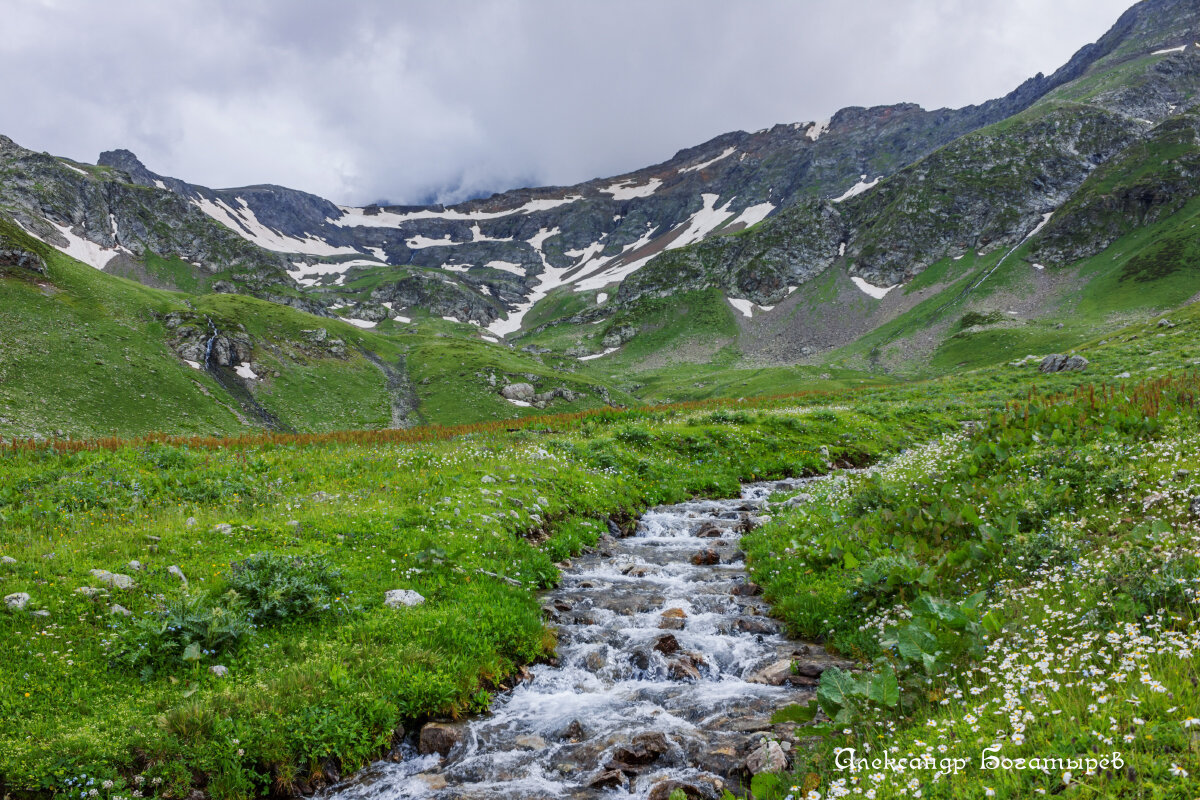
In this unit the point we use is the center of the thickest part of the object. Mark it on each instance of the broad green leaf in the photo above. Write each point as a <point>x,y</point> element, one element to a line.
<point>885,689</point>
<point>763,784</point>
<point>914,643</point>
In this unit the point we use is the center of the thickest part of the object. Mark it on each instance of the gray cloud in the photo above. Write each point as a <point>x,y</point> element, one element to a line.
<point>369,99</point>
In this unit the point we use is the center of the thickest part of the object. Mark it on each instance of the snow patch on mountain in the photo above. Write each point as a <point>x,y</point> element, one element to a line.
<point>857,189</point>
<point>79,248</point>
<point>878,292</point>
<point>747,307</point>
<point>243,221</point>
<point>601,354</point>
<point>507,266</point>
<point>622,190</point>
<point>358,217</point>
<point>420,242</point>
<point>697,167</point>
<point>752,215</point>
<point>816,129</point>
<point>550,278</point>
<point>703,222</point>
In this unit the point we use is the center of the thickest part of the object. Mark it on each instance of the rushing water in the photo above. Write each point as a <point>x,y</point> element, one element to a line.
<point>653,685</point>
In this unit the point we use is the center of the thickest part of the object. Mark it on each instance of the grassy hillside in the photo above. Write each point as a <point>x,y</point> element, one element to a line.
<point>89,354</point>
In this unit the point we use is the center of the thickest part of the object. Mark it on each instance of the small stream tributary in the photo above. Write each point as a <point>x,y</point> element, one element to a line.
<point>668,671</point>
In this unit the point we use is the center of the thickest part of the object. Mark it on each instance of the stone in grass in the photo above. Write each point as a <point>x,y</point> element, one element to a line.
<point>522,392</point>
<point>88,591</point>
<point>767,757</point>
<point>222,528</point>
<point>220,670</point>
<point>121,610</point>
<point>1194,506</point>
<point>1057,362</point>
<point>7,560</point>
<point>178,573</point>
<point>16,601</point>
<point>397,598</point>
<point>114,579</point>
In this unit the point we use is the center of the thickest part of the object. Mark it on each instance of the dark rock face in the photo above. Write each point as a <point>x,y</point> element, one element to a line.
<point>438,296</point>
<point>1057,362</point>
<point>21,259</point>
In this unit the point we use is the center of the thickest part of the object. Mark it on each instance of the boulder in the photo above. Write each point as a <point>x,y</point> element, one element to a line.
<point>11,256</point>
<point>522,392</point>
<point>666,644</point>
<point>798,500</point>
<point>1057,362</point>
<point>439,737</point>
<point>643,750</point>
<point>767,757</point>
<point>16,601</point>
<point>618,336</point>
<point>114,579</point>
<point>573,732</point>
<point>747,589</point>
<point>706,557</point>
<point>757,625</point>
<point>396,598</point>
<point>775,674</point>
<point>683,669</point>
<point>672,619</point>
<point>530,742</point>
<point>433,780</point>
<point>609,779</point>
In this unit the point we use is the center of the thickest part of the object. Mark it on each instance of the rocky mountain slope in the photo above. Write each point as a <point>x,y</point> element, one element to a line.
<point>886,239</point>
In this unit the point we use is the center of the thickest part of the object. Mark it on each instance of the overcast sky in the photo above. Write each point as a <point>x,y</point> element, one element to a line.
<point>413,99</point>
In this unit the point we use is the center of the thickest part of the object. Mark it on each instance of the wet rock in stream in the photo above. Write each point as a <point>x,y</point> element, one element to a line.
<point>668,671</point>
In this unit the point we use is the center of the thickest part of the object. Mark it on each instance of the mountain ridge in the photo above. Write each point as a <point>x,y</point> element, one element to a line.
<point>873,242</point>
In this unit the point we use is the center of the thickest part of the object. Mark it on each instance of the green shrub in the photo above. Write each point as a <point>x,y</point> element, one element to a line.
<point>187,629</point>
<point>278,588</point>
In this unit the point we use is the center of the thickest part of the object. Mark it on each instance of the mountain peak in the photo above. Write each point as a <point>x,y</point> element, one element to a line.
<point>127,162</point>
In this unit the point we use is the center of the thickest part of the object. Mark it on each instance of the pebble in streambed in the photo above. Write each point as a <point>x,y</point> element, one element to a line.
<point>668,671</point>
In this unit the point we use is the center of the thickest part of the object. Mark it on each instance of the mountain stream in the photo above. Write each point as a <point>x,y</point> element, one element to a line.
<point>668,671</point>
